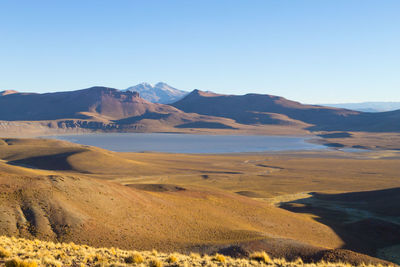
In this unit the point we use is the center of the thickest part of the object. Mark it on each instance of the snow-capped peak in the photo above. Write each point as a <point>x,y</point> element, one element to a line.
<point>159,93</point>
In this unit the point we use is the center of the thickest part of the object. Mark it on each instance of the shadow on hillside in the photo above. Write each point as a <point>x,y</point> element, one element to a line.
<point>157,187</point>
<point>147,115</point>
<point>58,162</point>
<point>365,221</point>
<point>204,124</point>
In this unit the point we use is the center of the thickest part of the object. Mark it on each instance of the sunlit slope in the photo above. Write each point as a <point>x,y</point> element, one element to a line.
<point>80,209</point>
<point>53,155</point>
<point>60,191</point>
<point>63,202</point>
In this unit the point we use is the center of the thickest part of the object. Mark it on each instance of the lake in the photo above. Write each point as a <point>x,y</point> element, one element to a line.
<point>189,143</point>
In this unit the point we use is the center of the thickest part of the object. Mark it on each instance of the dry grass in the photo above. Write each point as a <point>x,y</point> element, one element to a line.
<point>32,253</point>
<point>155,263</point>
<point>219,258</point>
<point>136,257</point>
<point>21,263</point>
<point>261,257</point>
<point>172,258</point>
<point>4,253</point>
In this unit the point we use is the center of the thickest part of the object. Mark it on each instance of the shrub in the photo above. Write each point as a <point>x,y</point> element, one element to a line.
<point>261,257</point>
<point>51,262</point>
<point>172,259</point>
<point>89,258</point>
<point>136,257</point>
<point>99,258</point>
<point>298,261</point>
<point>21,263</point>
<point>4,253</point>
<point>219,258</point>
<point>61,255</point>
<point>155,263</point>
<point>195,255</point>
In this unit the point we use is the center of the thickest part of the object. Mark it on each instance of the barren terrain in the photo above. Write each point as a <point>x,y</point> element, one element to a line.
<point>59,191</point>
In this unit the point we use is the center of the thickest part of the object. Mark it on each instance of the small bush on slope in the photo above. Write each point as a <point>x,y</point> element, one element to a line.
<point>20,263</point>
<point>136,257</point>
<point>155,263</point>
<point>172,258</point>
<point>261,257</point>
<point>219,258</point>
<point>4,253</point>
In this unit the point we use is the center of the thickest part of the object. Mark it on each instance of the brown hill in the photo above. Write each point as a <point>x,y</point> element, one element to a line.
<point>81,104</point>
<point>98,108</point>
<point>367,122</point>
<point>107,109</point>
<point>263,109</point>
<point>256,108</point>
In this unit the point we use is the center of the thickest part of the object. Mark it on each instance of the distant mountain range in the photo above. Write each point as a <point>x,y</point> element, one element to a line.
<point>108,109</point>
<point>259,109</point>
<point>158,93</point>
<point>368,106</point>
<point>102,108</point>
<point>268,109</point>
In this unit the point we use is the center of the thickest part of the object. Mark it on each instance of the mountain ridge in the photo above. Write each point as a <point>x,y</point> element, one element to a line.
<point>257,109</point>
<point>251,108</point>
<point>104,108</point>
<point>101,109</point>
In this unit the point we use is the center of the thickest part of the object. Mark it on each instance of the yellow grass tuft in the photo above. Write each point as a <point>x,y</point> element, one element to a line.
<point>4,253</point>
<point>299,262</point>
<point>49,262</point>
<point>21,263</point>
<point>136,257</point>
<point>172,259</point>
<point>155,263</point>
<point>261,257</point>
<point>195,255</point>
<point>219,258</point>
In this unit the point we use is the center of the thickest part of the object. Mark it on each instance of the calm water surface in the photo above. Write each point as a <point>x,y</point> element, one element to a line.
<point>188,143</point>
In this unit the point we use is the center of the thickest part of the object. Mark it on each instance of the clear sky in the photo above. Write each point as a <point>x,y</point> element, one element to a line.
<point>314,51</point>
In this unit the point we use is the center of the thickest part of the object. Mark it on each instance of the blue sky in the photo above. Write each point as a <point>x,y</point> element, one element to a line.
<point>312,51</point>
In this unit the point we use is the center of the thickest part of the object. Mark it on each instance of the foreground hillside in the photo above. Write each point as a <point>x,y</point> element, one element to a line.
<point>52,191</point>
<point>63,192</point>
<point>18,252</point>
